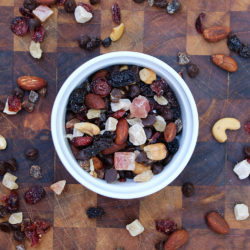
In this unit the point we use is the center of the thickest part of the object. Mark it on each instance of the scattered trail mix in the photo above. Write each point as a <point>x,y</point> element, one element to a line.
<point>126,114</point>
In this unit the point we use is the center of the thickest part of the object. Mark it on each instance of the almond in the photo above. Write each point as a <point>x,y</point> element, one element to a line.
<point>94,101</point>
<point>216,33</point>
<point>176,240</point>
<point>170,132</point>
<point>31,82</point>
<point>225,62</point>
<point>217,223</point>
<point>46,2</point>
<point>114,148</point>
<point>121,131</point>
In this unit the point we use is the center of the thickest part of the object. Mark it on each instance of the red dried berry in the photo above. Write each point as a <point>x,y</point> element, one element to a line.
<point>116,13</point>
<point>122,180</point>
<point>82,141</point>
<point>34,194</point>
<point>12,201</point>
<point>101,87</point>
<point>198,23</point>
<point>159,86</point>
<point>247,127</point>
<point>25,12</point>
<point>119,114</point>
<point>38,34</point>
<point>14,103</point>
<point>86,7</point>
<point>248,160</point>
<point>154,138</point>
<point>165,226</point>
<point>19,26</point>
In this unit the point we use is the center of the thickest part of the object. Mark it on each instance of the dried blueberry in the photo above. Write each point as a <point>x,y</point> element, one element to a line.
<point>122,78</point>
<point>173,146</point>
<point>106,42</point>
<point>173,6</point>
<point>245,51</point>
<point>192,70</point>
<point>69,6</point>
<point>188,189</point>
<point>31,154</point>
<point>95,212</point>
<point>234,43</point>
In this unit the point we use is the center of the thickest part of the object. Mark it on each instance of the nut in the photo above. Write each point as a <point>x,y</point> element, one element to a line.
<point>117,32</point>
<point>216,33</point>
<point>121,131</point>
<point>114,148</point>
<point>46,2</point>
<point>144,176</point>
<point>137,135</point>
<point>111,124</point>
<point>42,12</point>
<point>242,169</point>
<point>225,62</point>
<point>58,187</point>
<point>94,101</point>
<point>134,121</point>
<point>87,128</point>
<point>147,76</point>
<point>93,113</point>
<point>135,228</point>
<point>35,50</point>
<point>3,143</point>
<point>16,218</point>
<point>170,132</point>
<point>241,212</point>
<point>217,223</point>
<point>71,123</point>
<point>9,181</point>
<point>31,82</point>
<point>161,100</point>
<point>140,168</point>
<point>156,152</point>
<point>177,239</point>
<point>122,104</point>
<point>77,133</point>
<point>82,15</point>
<point>220,127</point>
<point>97,163</point>
<point>125,67</point>
<point>160,124</point>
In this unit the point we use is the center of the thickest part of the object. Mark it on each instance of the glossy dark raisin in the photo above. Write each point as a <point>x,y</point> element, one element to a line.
<point>157,168</point>
<point>31,154</point>
<point>165,226</point>
<point>34,194</point>
<point>18,92</point>
<point>167,114</point>
<point>12,202</point>
<point>116,95</point>
<point>106,42</point>
<point>11,164</point>
<point>136,70</point>
<point>192,70</point>
<point>110,175</point>
<point>142,157</point>
<point>160,245</point>
<point>25,12</point>
<point>3,211</point>
<point>199,24</point>
<point>30,4</point>
<point>69,6</point>
<point>134,91</point>
<point>37,35</point>
<point>234,43</point>
<point>245,51</point>
<point>116,13</point>
<point>173,6</point>
<point>19,236</point>
<point>167,159</point>
<point>95,212</point>
<point>247,151</point>
<point>95,1</point>
<point>83,40</point>
<point>146,90</point>
<point>122,78</point>
<point>94,43</point>
<point>160,3</point>
<point>3,168</point>
<point>188,189</point>
<point>173,146</point>
<point>148,132</point>
<point>5,227</point>
<point>149,121</point>
<point>19,26</point>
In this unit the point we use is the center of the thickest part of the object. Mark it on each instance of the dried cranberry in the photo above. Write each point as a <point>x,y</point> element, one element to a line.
<point>95,212</point>
<point>19,26</point>
<point>14,103</point>
<point>159,86</point>
<point>3,211</point>
<point>101,87</point>
<point>12,202</point>
<point>25,12</point>
<point>119,114</point>
<point>34,194</point>
<point>198,23</point>
<point>165,226</point>
<point>116,13</point>
<point>247,126</point>
<point>86,7</point>
<point>38,34</point>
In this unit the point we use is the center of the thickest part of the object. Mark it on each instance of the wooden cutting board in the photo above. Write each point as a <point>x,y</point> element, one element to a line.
<point>217,94</point>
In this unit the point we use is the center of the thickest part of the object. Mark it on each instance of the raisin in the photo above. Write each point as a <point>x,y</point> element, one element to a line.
<point>101,87</point>
<point>108,161</point>
<point>154,138</point>
<point>19,26</point>
<point>14,103</point>
<point>148,132</point>
<point>110,175</point>
<point>192,70</point>
<point>116,13</point>
<point>167,114</point>
<point>3,211</point>
<point>69,6</point>
<point>134,91</point>
<point>149,121</point>
<point>30,4</point>
<point>93,43</point>
<point>35,172</point>
<point>159,86</point>
<point>160,3</point>
<point>19,236</point>
<point>136,70</point>
<point>245,51</point>
<point>173,146</point>
<point>34,194</point>
<point>160,245</point>
<point>173,6</point>
<point>234,43</point>
<point>95,212</point>
<point>3,168</point>
<point>106,42</point>
<point>198,23</point>
<point>11,164</point>
<point>142,157</point>
<point>165,226</point>
<point>12,202</point>
<point>122,78</point>
<point>25,12</point>
<point>31,154</point>
<point>86,7</point>
<point>5,227</point>
<point>37,35</point>
<point>18,92</point>
<point>247,126</point>
<point>188,189</point>
<point>146,90</point>
<point>116,95</point>
<point>247,151</point>
<point>94,1</point>
<point>157,168</point>
<point>77,96</point>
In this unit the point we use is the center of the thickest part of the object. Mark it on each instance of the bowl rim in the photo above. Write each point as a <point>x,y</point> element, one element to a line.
<point>66,156</point>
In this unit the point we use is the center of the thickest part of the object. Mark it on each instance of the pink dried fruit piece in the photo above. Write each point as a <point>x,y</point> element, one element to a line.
<point>140,107</point>
<point>37,35</point>
<point>19,26</point>
<point>124,161</point>
<point>14,103</point>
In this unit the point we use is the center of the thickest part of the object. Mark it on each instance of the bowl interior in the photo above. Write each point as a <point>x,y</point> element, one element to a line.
<point>187,139</point>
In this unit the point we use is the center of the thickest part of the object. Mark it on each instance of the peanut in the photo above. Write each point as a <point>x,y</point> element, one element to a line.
<point>140,168</point>
<point>147,76</point>
<point>156,152</point>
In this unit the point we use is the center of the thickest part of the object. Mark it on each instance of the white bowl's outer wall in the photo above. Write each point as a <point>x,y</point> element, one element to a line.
<point>129,189</point>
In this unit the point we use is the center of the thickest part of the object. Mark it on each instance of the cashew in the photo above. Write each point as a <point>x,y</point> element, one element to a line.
<point>147,76</point>
<point>156,152</point>
<point>220,127</point>
<point>117,32</point>
<point>3,143</point>
<point>140,168</point>
<point>144,176</point>
<point>125,67</point>
<point>9,181</point>
<point>16,218</point>
<point>58,187</point>
<point>35,50</point>
<point>87,128</point>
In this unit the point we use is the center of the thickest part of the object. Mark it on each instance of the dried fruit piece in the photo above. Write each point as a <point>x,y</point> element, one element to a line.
<point>135,228</point>
<point>149,121</point>
<point>117,32</point>
<point>9,181</point>
<point>140,107</point>
<point>199,24</point>
<point>245,51</point>
<point>106,42</point>
<point>119,114</point>
<point>225,62</point>
<point>94,43</point>
<point>124,161</point>
<point>114,148</point>
<point>173,146</point>
<point>192,70</point>
<point>42,12</point>
<point>160,124</point>
<point>147,75</point>
<point>3,211</point>
<point>58,187</point>
<point>121,131</point>
<point>94,2</point>
<point>69,6</point>
<point>19,26</point>
<point>122,78</point>
<point>247,126</point>
<point>156,152</point>
<point>5,227</point>
<point>35,50</point>
<point>170,132</point>
<point>116,13</point>
<point>30,4</point>
<point>82,15</point>
<point>137,135</point>
<point>14,103</point>
<point>38,34</point>
<point>234,43</point>
<point>11,164</point>
<point>34,194</point>
<point>100,86</point>
<point>144,176</point>
<point>173,6</point>
<point>12,202</point>
<point>3,169</point>
<point>95,212</point>
<point>82,141</point>
<point>94,101</point>
<point>110,175</point>
<point>31,154</point>
<point>165,226</point>
<point>216,33</point>
<point>31,82</point>
<point>3,143</point>
<point>19,236</point>
<point>140,168</point>
<point>16,218</point>
<point>241,212</point>
<point>176,240</point>
<point>25,12</point>
<point>217,223</point>
<point>35,172</point>
<point>87,128</point>
<point>86,7</point>
<point>188,189</point>
<point>183,58</point>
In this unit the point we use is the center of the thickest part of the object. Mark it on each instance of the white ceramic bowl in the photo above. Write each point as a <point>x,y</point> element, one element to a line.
<point>128,189</point>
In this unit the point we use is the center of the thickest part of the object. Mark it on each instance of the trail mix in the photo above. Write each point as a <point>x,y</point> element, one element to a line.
<point>123,123</point>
